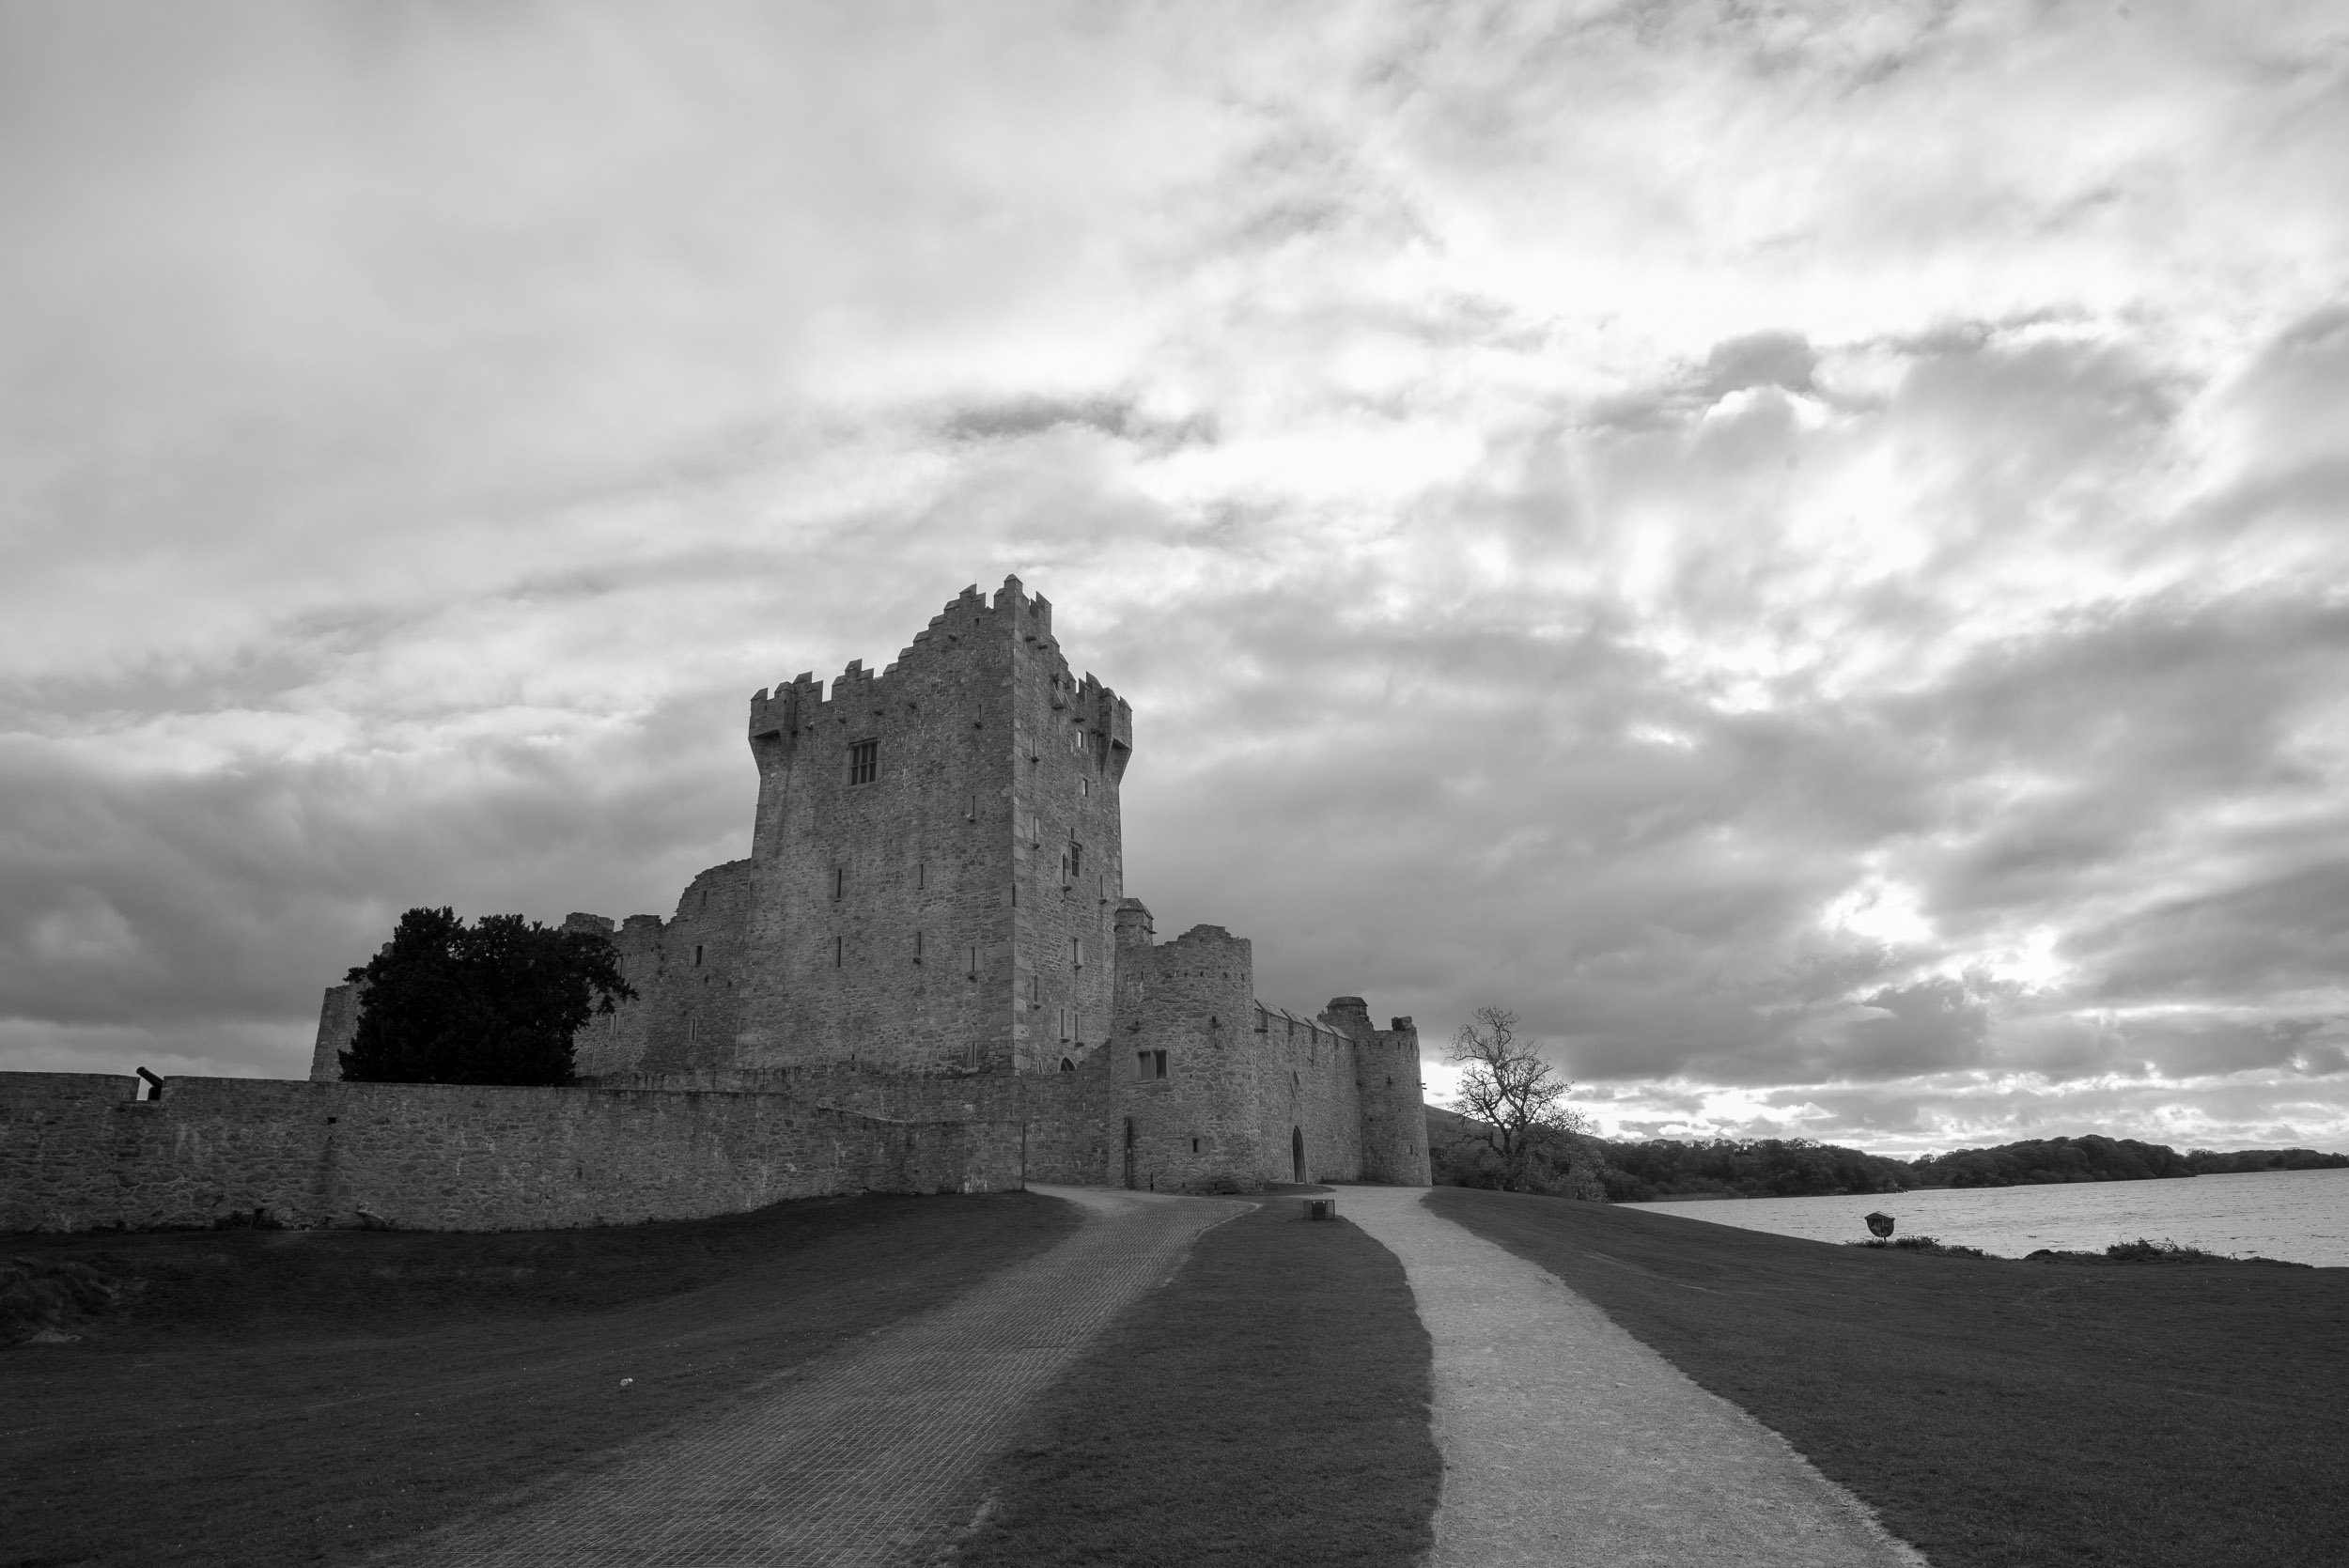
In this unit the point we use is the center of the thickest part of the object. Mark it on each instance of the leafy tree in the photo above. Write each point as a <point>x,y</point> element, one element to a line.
<point>497,1002</point>
<point>1511,1099</point>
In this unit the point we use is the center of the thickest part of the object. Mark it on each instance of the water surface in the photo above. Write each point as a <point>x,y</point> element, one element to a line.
<point>2302,1216</point>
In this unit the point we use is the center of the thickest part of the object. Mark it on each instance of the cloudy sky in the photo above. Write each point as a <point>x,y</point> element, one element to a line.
<point>1803,548</point>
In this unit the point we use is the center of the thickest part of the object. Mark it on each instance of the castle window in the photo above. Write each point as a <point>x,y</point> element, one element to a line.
<point>697,954</point>
<point>1066,1066</point>
<point>1066,1026</point>
<point>921,874</point>
<point>839,880</point>
<point>837,948</point>
<point>1076,953</point>
<point>917,947</point>
<point>1076,860</point>
<point>972,967</point>
<point>1195,1145</point>
<point>1084,786</point>
<point>1149,1063</point>
<point>692,1028</point>
<point>863,762</point>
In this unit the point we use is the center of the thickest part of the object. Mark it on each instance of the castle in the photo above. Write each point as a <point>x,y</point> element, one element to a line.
<point>932,925</point>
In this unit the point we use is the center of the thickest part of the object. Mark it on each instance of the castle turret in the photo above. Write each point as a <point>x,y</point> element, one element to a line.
<point>1394,1102</point>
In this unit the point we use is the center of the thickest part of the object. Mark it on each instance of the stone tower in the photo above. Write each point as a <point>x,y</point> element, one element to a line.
<point>936,862</point>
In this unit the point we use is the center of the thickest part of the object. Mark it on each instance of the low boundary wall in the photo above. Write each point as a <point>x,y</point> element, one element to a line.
<point>78,1151</point>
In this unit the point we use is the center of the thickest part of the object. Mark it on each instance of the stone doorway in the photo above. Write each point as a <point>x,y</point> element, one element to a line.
<point>1297,1151</point>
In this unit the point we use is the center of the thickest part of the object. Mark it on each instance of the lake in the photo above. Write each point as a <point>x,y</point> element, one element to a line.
<point>2301,1216</point>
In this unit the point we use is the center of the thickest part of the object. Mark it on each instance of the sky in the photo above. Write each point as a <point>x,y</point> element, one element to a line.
<point>1803,549</point>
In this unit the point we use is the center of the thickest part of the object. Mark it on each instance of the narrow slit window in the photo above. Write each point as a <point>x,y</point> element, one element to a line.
<point>863,762</point>
<point>839,881</point>
<point>697,954</point>
<point>971,966</point>
<point>917,947</point>
<point>921,874</point>
<point>836,951</point>
<point>1076,953</point>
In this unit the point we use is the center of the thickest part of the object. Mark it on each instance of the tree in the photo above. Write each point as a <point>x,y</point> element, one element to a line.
<point>1512,1099</point>
<point>495,1004</point>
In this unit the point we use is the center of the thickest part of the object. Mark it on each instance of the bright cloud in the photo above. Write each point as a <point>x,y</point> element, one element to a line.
<point>1799,548</point>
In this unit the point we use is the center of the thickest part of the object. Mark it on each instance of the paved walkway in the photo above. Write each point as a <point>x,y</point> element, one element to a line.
<point>858,1456</point>
<point>1567,1441</point>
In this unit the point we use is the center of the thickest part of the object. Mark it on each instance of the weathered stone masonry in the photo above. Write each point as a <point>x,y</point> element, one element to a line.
<point>927,975</point>
<point>78,1151</point>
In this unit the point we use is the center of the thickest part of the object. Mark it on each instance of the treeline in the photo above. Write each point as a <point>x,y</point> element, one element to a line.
<point>1746,1168</point>
<point>2039,1161</point>
<point>2042,1160</point>
<point>1800,1168</point>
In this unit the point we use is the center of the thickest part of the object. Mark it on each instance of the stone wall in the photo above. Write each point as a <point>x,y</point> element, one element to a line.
<point>1063,1116</point>
<point>78,1151</point>
<point>1309,1095</point>
<point>1252,1092</point>
<point>338,1025</point>
<point>949,939</point>
<point>687,972</point>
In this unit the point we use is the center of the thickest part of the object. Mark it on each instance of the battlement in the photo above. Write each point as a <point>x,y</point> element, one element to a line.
<point>1279,1021</point>
<point>968,623</point>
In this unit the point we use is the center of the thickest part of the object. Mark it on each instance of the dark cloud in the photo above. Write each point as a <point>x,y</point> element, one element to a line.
<point>1794,549</point>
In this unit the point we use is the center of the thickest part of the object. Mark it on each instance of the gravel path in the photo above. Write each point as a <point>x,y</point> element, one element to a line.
<point>863,1457</point>
<point>1567,1441</point>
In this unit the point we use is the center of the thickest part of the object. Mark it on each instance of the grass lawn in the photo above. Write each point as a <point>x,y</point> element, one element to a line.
<point>1997,1412</point>
<point>304,1396</point>
<point>1269,1406</point>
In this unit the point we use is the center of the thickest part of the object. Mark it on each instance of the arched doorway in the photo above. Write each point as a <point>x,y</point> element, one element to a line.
<point>1297,1151</point>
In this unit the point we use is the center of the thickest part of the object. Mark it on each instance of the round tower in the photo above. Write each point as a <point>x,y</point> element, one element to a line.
<point>1394,1108</point>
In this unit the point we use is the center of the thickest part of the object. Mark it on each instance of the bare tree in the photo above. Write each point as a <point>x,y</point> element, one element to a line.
<point>1513,1099</point>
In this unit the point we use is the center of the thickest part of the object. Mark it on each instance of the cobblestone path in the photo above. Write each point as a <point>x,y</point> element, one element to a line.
<point>863,1457</point>
<point>1567,1442</point>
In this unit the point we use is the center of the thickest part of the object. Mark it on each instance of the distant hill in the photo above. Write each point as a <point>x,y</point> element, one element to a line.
<point>1800,1168</point>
